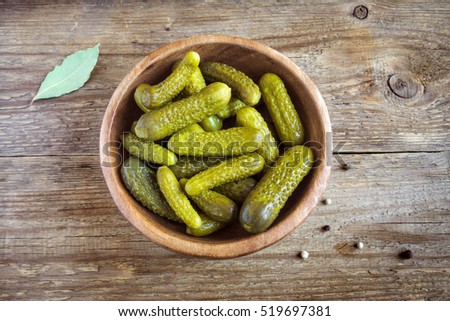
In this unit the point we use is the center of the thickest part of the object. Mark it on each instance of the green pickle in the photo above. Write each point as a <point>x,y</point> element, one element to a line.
<point>228,142</point>
<point>250,117</point>
<point>264,203</point>
<point>208,226</point>
<point>212,123</point>
<point>133,126</point>
<point>243,86</point>
<point>281,109</point>
<point>193,128</point>
<point>160,123</point>
<point>149,97</point>
<point>188,166</point>
<point>147,150</point>
<point>195,84</point>
<point>206,175</point>
<point>176,198</point>
<point>230,170</point>
<point>215,205</point>
<point>231,108</point>
<point>237,190</point>
<point>141,182</point>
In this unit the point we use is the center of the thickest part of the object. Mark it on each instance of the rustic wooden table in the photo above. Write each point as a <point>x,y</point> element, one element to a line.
<point>384,72</point>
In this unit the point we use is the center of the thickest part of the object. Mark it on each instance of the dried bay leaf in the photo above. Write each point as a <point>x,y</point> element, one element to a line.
<point>70,75</point>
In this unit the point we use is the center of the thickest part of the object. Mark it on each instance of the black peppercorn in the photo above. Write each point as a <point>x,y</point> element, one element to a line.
<point>326,228</point>
<point>406,255</point>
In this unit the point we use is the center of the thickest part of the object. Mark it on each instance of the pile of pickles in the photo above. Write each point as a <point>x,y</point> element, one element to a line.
<point>209,175</point>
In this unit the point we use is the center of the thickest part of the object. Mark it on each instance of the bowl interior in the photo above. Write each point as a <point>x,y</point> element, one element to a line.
<point>254,59</point>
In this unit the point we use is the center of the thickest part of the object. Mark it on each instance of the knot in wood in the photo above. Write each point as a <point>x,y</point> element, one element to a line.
<point>361,12</point>
<point>403,85</point>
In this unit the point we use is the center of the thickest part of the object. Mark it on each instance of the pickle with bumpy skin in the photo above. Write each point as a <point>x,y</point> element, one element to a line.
<point>230,170</point>
<point>243,86</point>
<point>264,203</point>
<point>250,117</point>
<point>194,85</point>
<point>176,198</point>
<point>147,150</point>
<point>208,226</point>
<point>237,190</point>
<point>228,142</point>
<point>160,123</point>
<point>231,108</point>
<point>141,183</point>
<point>193,128</point>
<point>215,205</point>
<point>188,166</point>
<point>212,123</point>
<point>281,109</point>
<point>149,97</point>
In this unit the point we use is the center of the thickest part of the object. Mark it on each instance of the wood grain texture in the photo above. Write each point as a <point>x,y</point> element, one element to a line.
<point>62,237</point>
<point>80,247</point>
<point>350,60</point>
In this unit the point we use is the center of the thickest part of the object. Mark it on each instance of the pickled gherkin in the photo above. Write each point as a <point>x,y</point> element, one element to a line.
<point>282,111</point>
<point>237,190</point>
<point>176,198</point>
<point>160,123</point>
<point>265,201</point>
<point>207,227</point>
<point>149,151</point>
<point>212,123</point>
<point>196,83</point>
<point>243,86</point>
<point>231,108</point>
<point>228,142</point>
<point>250,117</point>
<point>217,206</point>
<point>149,97</point>
<point>133,126</point>
<point>188,166</point>
<point>193,128</point>
<point>230,170</point>
<point>141,181</point>
<point>210,167</point>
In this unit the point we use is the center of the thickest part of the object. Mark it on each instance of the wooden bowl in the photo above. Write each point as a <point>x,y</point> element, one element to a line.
<point>254,59</point>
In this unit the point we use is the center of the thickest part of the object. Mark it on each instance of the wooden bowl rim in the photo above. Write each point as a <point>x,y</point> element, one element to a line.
<point>186,244</point>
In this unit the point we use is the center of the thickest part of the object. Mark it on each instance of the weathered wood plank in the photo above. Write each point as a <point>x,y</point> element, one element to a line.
<point>351,61</point>
<point>63,238</point>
